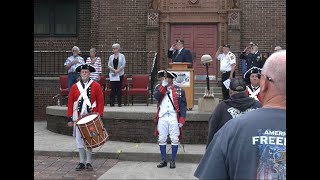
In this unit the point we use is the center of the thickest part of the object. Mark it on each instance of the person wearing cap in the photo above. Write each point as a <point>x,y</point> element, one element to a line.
<point>178,53</point>
<point>253,89</point>
<point>70,65</point>
<point>253,57</point>
<point>227,67</point>
<point>96,63</point>
<point>253,145</point>
<point>81,104</point>
<point>170,116</point>
<point>238,104</point>
<point>116,65</point>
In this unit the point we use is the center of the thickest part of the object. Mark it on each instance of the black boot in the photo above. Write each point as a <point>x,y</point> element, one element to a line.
<point>80,167</point>
<point>163,163</point>
<point>172,164</point>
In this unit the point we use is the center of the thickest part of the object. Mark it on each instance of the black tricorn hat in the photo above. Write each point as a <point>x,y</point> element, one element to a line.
<point>171,75</point>
<point>85,66</point>
<point>180,40</point>
<point>253,70</point>
<point>226,45</point>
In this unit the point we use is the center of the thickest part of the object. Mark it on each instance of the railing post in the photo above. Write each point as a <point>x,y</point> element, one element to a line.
<point>154,73</point>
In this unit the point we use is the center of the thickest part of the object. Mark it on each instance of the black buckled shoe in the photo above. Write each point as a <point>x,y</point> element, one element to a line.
<point>80,167</point>
<point>163,163</point>
<point>89,167</point>
<point>172,164</point>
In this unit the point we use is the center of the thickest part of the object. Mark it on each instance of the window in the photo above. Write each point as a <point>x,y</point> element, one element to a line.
<point>55,17</point>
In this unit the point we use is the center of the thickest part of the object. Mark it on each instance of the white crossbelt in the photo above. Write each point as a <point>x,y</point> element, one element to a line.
<point>254,94</point>
<point>83,93</point>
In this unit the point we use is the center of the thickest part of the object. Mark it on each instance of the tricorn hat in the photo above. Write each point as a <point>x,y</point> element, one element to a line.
<point>253,70</point>
<point>180,40</point>
<point>226,45</point>
<point>85,66</point>
<point>171,75</point>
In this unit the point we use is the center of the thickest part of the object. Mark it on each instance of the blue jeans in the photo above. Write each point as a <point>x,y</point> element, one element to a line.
<point>243,66</point>
<point>72,78</point>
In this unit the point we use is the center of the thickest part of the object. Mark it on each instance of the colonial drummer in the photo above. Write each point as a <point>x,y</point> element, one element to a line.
<point>85,97</point>
<point>253,89</point>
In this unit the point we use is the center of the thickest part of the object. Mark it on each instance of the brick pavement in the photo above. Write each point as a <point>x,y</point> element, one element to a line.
<point>52,167</point>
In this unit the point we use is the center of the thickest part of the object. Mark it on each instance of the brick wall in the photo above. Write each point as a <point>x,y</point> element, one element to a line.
<point>263,22</point>
<point>123,22</point>
<point>137,131</point>
<point>44,91</point>
<point>84,24</point>
<point>57,43</point>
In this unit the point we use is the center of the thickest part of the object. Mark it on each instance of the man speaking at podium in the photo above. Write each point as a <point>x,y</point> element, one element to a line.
<point>178,53</point>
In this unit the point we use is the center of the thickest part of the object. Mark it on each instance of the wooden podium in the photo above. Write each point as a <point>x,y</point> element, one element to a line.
<point>184,80</point>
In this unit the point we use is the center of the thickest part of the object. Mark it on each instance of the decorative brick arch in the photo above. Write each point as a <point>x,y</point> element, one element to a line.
<point>223,13</point>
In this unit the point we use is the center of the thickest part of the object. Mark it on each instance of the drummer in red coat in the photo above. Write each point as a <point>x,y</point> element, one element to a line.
<point>171,114</point>
<point>253,89</point>
<point>89,101</point>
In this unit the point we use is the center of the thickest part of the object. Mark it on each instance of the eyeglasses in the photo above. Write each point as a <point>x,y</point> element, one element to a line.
<point>269,78</point>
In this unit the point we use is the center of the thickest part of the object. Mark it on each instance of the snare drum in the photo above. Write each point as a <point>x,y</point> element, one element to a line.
<point>92,130</point>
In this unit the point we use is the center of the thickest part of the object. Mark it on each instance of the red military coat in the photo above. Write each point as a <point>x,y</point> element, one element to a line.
<point>96,95</point>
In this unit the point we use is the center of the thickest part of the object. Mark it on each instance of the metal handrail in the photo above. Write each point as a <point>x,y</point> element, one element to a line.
<point>50,63</point>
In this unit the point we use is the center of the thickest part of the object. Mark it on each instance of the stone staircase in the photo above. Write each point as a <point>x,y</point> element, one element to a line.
<point>201,86</point>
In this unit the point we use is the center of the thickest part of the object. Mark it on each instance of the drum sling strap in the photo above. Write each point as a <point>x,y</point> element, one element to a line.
<point>83,93</point>
<point>168,93</point>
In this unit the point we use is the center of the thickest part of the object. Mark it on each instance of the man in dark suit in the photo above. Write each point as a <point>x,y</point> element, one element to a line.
<point>178,53</point>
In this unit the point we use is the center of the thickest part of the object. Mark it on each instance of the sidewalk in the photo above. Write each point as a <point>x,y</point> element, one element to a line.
<point>48,143</point>
<point>134,158</point>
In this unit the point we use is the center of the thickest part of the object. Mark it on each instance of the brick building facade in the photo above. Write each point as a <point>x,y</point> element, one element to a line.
<point>151,25</point>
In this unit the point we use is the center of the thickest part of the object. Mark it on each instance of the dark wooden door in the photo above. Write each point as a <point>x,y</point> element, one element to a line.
<point>200,40</point>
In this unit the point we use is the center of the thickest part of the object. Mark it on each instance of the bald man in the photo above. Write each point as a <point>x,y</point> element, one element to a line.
<point>277,48</point>
<point>253,145</point>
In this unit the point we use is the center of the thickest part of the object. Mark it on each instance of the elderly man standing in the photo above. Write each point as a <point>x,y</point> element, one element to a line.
<point>253,145</point>
<point>227,67</point>
<point>70,65</point>
<point>178,53</point>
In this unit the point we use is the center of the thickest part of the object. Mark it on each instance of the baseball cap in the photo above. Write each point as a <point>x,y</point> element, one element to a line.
<point>237,84</point>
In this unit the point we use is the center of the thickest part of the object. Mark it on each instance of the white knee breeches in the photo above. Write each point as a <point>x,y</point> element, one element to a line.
<point>168,124</point>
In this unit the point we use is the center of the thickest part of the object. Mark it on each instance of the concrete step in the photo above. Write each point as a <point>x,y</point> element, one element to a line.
<point>203,88</point>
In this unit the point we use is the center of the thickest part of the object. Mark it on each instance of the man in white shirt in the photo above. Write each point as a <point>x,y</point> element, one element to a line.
<point>227,67</point>
<point>71,63</point>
